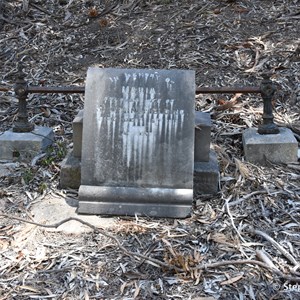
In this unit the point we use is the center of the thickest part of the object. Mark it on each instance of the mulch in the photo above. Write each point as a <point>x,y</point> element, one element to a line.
<point>242,243</point>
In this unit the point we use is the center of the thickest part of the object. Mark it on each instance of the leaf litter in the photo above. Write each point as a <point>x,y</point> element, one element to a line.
<point>242,243</point>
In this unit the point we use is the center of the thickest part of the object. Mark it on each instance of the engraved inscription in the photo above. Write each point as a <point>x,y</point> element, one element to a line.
<point>143,133</point>
<point>143,119</point>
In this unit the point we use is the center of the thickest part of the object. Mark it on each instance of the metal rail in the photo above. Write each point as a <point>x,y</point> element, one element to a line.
<point>49,89</point>
<point>22,89</point>
<point>56,90</point>
<point>228,90</point>
<point>81,90</point>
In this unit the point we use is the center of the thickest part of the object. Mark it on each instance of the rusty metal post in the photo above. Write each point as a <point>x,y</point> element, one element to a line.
<point>21,91</point>
<point>267,92</point>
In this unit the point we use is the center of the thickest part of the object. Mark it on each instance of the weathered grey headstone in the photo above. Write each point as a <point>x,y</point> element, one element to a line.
<point>138,142</point>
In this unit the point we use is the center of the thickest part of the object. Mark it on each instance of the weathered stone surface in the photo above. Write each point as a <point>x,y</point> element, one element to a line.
<point>77,134</point>
<point>70,172</point>
<point>19,146</point>
<point>201,147</point>
<point>7,169</point>
<point>202,136</point>
<point>206,175</point>
<point>138,132</point>
<point>276,148</point>
<point>152,202</point>
<point>138,128</point>
<point>54,209</point>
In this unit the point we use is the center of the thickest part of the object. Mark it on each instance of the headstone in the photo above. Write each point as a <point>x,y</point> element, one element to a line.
<point>138,143</point>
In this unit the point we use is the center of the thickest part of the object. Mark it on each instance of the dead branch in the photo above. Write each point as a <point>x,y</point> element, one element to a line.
<point>238,201</point>
<point>232,221</point>
<point>157,262</point>
<point>262,255</point>
<point>229,104</point>
<point>153,261</point>
<point>248,261</point>
<point>277,246</point>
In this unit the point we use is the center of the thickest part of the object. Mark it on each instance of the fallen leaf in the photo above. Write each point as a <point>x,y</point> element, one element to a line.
<point>232,280</point>
<point>229,104</point>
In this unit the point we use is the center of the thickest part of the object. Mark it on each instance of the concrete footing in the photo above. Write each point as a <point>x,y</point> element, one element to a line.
<point>206,176</point>
<point>202,136</point>
<point>276,148</point>
<point>70,174</point>
<point>24,146</point>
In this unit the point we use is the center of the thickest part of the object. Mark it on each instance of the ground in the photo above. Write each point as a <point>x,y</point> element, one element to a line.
<point>242,243</point>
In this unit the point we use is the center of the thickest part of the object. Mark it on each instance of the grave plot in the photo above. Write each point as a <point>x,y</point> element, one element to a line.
<point>227,43</point>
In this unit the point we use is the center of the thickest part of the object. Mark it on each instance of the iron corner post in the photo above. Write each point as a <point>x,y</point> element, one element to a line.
<point>267,89</point>
<point>21,91</point>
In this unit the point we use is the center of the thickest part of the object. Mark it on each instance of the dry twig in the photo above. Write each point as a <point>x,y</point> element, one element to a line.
<point>154,261</point>
<point>277,246</point>
<point>157,262</point>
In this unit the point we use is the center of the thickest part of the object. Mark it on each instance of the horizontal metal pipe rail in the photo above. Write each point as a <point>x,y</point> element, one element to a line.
<point>228,90</point>
<point>81,90</point>
<point>22,89</point>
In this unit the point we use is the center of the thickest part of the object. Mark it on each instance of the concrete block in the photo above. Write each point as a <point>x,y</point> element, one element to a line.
<point>70,173</point>
<point>202,136</point>
<point>24,146</point>
<point>77,134</point>
<point>206,175</point>
<point>276,148</point>
<point>7,169</point>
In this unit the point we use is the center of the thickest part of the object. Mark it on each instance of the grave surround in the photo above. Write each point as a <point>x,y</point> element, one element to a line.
<point>138,143</point>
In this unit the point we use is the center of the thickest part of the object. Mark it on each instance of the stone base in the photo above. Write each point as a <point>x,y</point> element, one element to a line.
<point>206,176</point>
<point>24,146</point>
<point>276,148</point>
<point>77,134</point>
<point>202,136</point>
<point>129,201</point>
<point>70,173</point>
